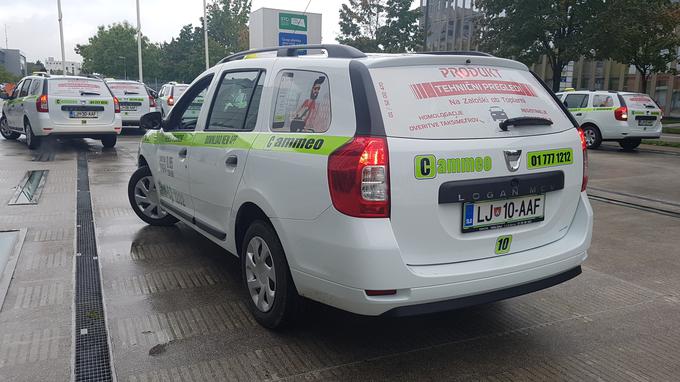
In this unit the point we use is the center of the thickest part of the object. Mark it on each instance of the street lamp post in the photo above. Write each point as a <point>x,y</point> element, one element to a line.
<point>124,64</point>
<point>205,36</point>
<point>139,44</point>
<point>61,39</point>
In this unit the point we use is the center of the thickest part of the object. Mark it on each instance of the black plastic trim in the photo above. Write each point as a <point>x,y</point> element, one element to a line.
<point>210,229</point>
<point>333,51</point>
<point>369,120</point>
<point>645,118</point>
<point>557,100</point>
<point>461,191</point>
<point>458,53</point>
<point>484,298</point>
<point>81,108</point>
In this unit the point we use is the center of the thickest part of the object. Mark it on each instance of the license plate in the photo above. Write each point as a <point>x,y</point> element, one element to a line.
<point>501,213</point>
<point>83,114</point>
<point>646,122</point>
<point>128,108</point>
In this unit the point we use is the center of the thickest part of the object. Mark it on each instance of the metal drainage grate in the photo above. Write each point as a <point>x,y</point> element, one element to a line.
<point>30,188</point>
<point>92,360</point>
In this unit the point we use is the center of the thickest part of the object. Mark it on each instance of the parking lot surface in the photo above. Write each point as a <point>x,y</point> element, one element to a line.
<point>174,306</point>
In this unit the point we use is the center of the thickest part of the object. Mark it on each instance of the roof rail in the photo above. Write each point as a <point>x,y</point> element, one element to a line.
<point>458,53</point>
<point>40,74</point>
<point>333,51</point>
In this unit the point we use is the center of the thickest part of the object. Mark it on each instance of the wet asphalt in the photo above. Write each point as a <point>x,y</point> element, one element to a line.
<point>175,309</point>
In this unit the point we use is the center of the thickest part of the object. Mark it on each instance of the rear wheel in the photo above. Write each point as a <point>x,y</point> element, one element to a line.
<point>109,141</point>
<point>630,144</point>
<point>6,132</point>
<point>144,199</point>
<point>272,297</point>
<point>593,136</point>
<point>32,141</point>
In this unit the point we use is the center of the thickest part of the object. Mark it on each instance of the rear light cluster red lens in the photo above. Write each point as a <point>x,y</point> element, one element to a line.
<point>358,178</point>
<point>42,105</point>
<point>152,102</point>
<point>584,147</point>
<point>116,105</point>
<point>621,114</point>
<point>171,101</point>
<point>381,292</point>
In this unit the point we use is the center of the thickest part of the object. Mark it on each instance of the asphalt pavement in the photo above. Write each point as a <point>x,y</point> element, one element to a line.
<point>175,310</point>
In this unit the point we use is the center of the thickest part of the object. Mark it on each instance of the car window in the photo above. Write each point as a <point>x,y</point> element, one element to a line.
<point>125,89</point>
<point>603,100</point>
<point>178,90</point>
<point>189,107</point>
<point>162,91</point>
<point>576,101</point>
<point>36,87</point>
<point>76,87</point>
<point>303,102</point>
<point>24,88</point>
<point>254,107</point>
<point>228,111</point>
<point>17,89</point>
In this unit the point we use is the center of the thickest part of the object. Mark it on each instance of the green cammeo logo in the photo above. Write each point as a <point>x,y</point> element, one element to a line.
<point>429,166</point>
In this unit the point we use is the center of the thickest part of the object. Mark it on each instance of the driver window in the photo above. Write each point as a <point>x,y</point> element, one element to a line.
<point>189,107</point>
<point>24,88</point>
<point>17,89</point>
<point>303,102</point>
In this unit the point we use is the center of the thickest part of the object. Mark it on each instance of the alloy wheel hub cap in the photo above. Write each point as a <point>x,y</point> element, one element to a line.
<point>147,200</point>
<point>260,274</point>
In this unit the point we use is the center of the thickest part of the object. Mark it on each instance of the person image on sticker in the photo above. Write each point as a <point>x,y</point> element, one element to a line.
<point>305,118</point>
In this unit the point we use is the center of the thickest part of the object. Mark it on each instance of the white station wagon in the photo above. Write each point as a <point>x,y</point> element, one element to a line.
<point>381,185</point>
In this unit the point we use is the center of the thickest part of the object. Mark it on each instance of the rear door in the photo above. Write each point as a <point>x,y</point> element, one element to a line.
<point>455,174</point>
<point>77,101</point>
<point>643,113</point>
<point>12,108</point>
<point>133,98</point>
<point>577,103</point>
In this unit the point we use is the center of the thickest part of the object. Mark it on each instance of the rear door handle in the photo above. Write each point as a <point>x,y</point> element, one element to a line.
<point>231,161</point>
<point>578,114</point>
<point>183,153</point>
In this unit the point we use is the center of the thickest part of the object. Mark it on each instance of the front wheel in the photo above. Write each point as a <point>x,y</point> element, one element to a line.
<point>630,144</point>
<point>593,136</point>
<point>109,141</point>
<point>145,200</point>
<point>272,297</point>
<point>6,132</point>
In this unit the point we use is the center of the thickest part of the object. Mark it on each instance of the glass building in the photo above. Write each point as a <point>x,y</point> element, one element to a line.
<point>449,24</point>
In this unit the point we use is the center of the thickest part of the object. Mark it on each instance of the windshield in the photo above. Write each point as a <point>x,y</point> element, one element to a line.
<point>179,90</point>
<point>76,87</point>
<point>122,89</point>
<point>639,101</point>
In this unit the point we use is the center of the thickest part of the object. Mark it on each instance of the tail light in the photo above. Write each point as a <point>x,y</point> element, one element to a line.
<point>41,104</point>
<point>171,101</point>
<point>621,114</point>
<point>584,147</point>
<point>116,105</point>
<point>152,102</point>
<point>358,178</point>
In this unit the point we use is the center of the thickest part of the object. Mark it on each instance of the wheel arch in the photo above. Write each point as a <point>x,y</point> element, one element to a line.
<point>247,213</point>
<point>141,161</point>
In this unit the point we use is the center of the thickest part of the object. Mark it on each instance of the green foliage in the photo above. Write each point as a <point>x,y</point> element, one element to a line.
<point>183,58</point>
<point>526,30</point>
<point>640,33</point>
<point>228,24</point>
<point>380,26</point>
<point>35,67</point>
<point>6,76</point>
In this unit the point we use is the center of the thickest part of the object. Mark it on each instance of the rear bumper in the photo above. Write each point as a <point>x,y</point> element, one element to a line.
<point>623,131</point>
<point>43,126</point>
<point>336,268</point>
<point>131,122</point>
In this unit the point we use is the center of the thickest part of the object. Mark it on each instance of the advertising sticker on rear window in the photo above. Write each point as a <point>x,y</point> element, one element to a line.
<point>448,102</point>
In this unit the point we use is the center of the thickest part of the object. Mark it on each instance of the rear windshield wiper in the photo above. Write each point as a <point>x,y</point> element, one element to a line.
<point>524,121</point>
<point>82,93</point>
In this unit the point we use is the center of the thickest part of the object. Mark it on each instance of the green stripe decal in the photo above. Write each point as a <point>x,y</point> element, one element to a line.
<point>294,143</point>
<point>644,113</point>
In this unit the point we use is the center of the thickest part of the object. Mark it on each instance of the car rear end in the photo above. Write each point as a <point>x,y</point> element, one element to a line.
<point>78,106</point>
<point>134,101</point>
<point>639,115</point>
<point>438,206</point>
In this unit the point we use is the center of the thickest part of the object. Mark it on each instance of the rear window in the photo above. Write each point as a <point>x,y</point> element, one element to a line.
<point>450,102</point>
<point>121,89</point>
<point>639,101</point>
<point>76,87</point>
<point>179,90</point>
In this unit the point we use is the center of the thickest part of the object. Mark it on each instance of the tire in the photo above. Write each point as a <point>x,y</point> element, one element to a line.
<point>630,144</point>
<point>109,141</point>
<point>144,199</point>
<point>262,256</point>
<point>593,136</point>
<point>32,141</point>
<point>6,132</point>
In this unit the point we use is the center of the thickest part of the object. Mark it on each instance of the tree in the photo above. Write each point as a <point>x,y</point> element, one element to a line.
<point>113,51</point>
<point>526,30</point>
<point>380,26</point>
<point>642,34</point>
<point>35,67</point>
<point>6,76</point>
<point>183,57</point>
<point>228,24</point>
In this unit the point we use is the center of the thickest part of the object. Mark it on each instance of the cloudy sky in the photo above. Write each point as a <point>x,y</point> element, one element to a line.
<point>32,25</point>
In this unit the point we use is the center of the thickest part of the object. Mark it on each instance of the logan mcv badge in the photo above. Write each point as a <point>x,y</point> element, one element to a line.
<point>513,159</point>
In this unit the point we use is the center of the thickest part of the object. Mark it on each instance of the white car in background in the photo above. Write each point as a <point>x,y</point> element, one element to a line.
<point>63,106</point>
<point>168,95</point>
<point>134,100</point>
<point>376,184</point>
<point>614,116</point>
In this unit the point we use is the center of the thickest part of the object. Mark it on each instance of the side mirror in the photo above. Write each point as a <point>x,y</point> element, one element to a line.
<point>151,121</point>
